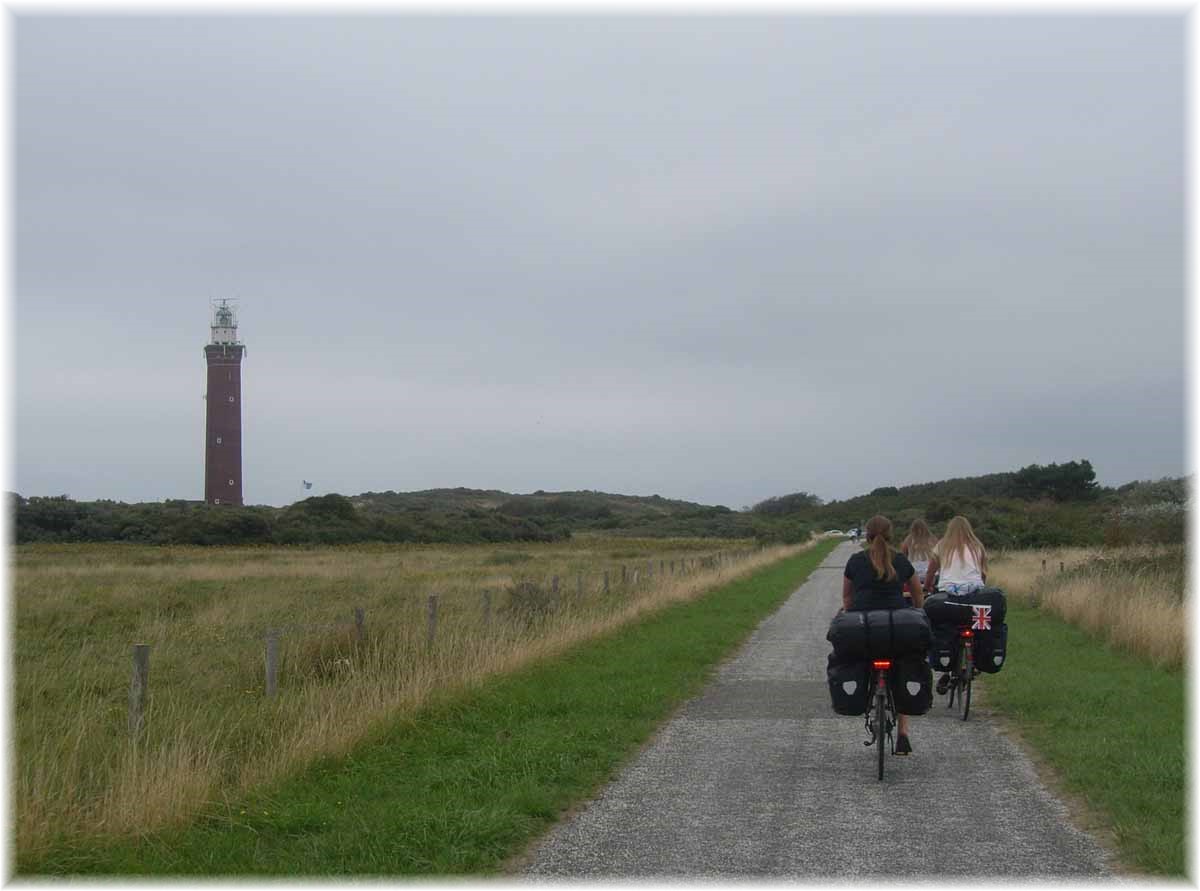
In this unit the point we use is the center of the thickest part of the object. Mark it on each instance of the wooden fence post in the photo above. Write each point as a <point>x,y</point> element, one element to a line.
<point>554,585</point>
<point>272,662</point>
<point>431,620</point>
<point>1060,566</point>
<point>139,684</point>
<point>1043,564</point>
<point>487,608</point>
<point>606,581</point>
<point>622,573</point>
<point>360,624</point>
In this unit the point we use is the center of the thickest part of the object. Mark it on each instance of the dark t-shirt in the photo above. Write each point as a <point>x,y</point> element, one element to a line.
<point>872,592</point>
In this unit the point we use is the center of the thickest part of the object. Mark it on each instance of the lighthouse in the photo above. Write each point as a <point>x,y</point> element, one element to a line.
<point>223,411</point>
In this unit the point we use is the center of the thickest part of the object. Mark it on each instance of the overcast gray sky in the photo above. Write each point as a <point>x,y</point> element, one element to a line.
<point>712,258</point>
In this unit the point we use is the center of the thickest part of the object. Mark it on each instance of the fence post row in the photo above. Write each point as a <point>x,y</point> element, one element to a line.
<point>272,661</point>
<point>431,629</point>
<point>139,683</point>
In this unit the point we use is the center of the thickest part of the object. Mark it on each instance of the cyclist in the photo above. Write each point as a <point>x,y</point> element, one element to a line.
<point>918,548</point>
<point>876,579</point>
<point>962,560</point>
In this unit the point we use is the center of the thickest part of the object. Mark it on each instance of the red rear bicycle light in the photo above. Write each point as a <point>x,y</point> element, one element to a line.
<point>967,632</point>
<point>882,663</point>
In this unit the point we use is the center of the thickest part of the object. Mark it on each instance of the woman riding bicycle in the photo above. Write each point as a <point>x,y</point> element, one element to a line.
<point>918,548</point>
<point>962,560</point>
<point>876,579</point>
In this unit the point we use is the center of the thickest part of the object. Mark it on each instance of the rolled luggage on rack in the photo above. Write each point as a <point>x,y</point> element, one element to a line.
<point>879,633</point>
<point>958,609</point>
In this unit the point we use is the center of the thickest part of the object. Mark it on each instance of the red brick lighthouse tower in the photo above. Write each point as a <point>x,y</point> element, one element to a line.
<point>223,422</point>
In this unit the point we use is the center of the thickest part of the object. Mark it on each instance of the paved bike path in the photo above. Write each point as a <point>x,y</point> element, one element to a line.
<point>757,777</point>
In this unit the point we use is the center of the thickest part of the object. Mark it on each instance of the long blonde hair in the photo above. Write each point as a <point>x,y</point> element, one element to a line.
<point>879,547</point>
<point>960,539</point>
<point>919,542</point>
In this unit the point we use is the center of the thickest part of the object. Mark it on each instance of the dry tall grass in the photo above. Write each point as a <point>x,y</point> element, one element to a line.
<point>1133,597</point>
<point>210,732</point>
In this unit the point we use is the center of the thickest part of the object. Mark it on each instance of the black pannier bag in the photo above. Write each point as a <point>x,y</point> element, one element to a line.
<point>848,685</point>
<point>911,681</point>
<point>944,647</point>
<point>879,633</point>
<point>990,648</point>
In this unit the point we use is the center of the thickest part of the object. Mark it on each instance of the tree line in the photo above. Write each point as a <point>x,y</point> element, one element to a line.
<point>1036,506</point>
<point>1050,505</point>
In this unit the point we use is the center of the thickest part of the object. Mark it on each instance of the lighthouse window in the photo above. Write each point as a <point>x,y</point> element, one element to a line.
<point>218,440</point>
<point>231,482</point>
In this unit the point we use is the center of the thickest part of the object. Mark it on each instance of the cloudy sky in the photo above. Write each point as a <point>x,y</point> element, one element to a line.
<point>712,258</point>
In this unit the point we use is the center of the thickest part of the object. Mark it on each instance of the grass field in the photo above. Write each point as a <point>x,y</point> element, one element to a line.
<point>1132,597</point>
<point>466,781</point>
<point>210,732</point>
<point>1100,697</point>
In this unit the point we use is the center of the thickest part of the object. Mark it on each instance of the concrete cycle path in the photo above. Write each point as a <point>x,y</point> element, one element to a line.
<point>757,777</point>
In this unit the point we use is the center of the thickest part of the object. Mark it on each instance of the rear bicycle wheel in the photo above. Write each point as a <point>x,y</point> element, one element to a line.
<point>970,673</point>
<point>962,680</point>
<point>880,726</point>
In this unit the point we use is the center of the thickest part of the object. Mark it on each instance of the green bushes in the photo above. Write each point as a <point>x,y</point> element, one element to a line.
<point>326,519</point>
<point>1037,506</point>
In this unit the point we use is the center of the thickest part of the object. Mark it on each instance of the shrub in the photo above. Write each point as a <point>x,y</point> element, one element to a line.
<point>529,602</point>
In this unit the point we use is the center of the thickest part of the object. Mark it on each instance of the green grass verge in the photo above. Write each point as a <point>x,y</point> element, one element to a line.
<point>1110,725</point>
<point>470,781</point>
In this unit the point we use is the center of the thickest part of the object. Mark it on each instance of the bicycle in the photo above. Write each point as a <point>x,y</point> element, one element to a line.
<point>881,717</point>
